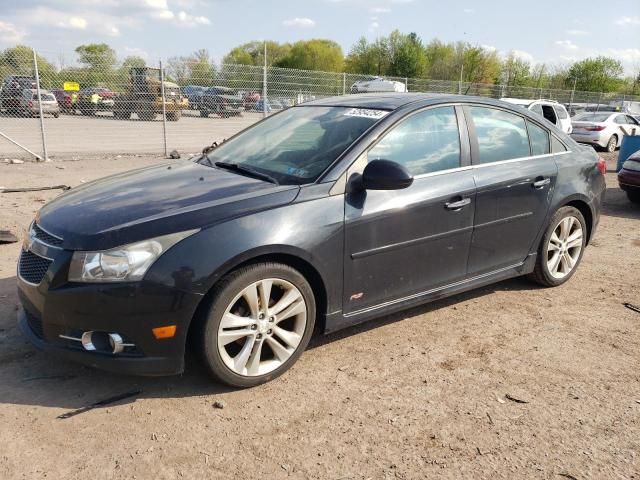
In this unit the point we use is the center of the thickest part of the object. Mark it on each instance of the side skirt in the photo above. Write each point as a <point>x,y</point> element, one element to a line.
<point>339,321</point>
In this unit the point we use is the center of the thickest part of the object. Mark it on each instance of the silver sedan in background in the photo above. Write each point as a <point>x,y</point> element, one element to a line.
<point>603,129</point>
<point>29,103</point>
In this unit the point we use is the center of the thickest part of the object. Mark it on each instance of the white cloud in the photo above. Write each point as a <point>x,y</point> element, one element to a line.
<point>373,27</point>
<point>469,11</point>
<point>380,10</point>
<point>135,51</point>
<point>578,32</point>
<point>566,44</point>
<point>302,22</point>
<point>489,48</point>
<point>186,19</point>
<point>10,34</point>
<point>635,20</point>
<point>522,55</point>
<point>78,23</point>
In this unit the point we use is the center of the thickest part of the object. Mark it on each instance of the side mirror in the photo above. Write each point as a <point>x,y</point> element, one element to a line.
<point>385,175</point>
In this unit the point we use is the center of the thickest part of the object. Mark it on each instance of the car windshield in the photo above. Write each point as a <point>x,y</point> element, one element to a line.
<point>592,117</point>
<point>297,145</point>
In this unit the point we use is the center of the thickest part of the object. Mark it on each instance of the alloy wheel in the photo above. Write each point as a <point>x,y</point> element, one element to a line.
<point>262,327</point>
<point>565,246</point>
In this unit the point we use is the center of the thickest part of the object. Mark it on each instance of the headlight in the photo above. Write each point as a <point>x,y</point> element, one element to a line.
<point>128,263</point>
<point>631,165</point>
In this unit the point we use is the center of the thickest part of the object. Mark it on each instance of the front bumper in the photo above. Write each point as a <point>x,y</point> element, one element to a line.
<point>55,311</point>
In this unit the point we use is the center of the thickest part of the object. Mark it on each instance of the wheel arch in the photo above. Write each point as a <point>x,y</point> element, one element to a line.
<point>287,256</point>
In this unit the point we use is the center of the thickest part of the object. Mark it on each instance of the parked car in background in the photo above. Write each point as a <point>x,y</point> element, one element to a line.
<point>249,99</point>
<point>275,104</point>
<point>285,102</point>
<point>222,101</point>
<point>29,103</point>
<point>263,105</point>
<point>328,213</point>
<point>553,111</point>
<point>91,100</point>
<point>629,177</point>
<point>193,94</point>
<point>64,99</point>
<point>11,92</point>
<point>378,84</point>
<point>603,129</point>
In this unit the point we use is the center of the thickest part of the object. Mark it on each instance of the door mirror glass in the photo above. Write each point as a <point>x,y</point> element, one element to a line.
<point>385,175</point>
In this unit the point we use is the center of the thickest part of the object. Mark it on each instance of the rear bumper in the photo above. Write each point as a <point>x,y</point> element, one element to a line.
<point>629,180</point>
<point>590,139</point>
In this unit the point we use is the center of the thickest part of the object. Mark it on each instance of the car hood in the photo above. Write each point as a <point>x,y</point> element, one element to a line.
<point>153,201</point>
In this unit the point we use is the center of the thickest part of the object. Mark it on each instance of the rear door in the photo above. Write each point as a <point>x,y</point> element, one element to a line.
<point>515,176</point>
<point>406,242</point>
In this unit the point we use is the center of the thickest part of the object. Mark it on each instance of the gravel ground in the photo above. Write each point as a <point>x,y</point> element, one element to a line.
<point>421,394</point>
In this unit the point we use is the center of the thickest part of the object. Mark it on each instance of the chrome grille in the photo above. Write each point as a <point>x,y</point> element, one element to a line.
<point>45,237</point>
<point>32,268</point>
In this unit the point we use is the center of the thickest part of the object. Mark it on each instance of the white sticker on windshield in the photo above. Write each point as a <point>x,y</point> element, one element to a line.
<point>366,113</point>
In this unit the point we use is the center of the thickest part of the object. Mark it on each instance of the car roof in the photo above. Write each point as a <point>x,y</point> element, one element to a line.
<point>380,101</point>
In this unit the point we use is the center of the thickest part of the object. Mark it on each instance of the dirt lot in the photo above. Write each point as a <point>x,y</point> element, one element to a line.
<point>420,394</point>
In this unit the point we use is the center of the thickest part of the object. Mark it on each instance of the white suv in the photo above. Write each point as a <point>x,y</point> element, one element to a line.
<point>549,109</point>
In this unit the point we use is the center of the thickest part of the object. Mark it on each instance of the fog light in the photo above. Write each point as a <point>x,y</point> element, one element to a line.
<point>103,342</point>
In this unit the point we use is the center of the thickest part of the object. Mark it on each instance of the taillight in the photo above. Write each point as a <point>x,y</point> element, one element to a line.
<point>30,103</point>
<point>595,128</point>
<point>602,165</point>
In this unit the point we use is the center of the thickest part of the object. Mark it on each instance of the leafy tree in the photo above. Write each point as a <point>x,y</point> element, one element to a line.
<point>317,54</point>
<point>515,71</point>
<point>407,55</point>
<point>18,60</point>
<point>252,53</point>
<point>97,56</point>
<point>599,74</point>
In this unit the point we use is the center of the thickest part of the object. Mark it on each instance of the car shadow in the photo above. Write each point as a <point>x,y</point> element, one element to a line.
<point>616,204</point>
<point>31,377</point>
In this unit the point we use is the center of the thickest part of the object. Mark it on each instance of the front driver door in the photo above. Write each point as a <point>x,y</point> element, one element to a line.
<point>405,242</point>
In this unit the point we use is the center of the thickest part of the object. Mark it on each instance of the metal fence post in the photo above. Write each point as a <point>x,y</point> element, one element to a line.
<point>164,111</point>
<point>406,84</point>
<point>344,83</point>
<point>264,91</point>
<point>42,130</point>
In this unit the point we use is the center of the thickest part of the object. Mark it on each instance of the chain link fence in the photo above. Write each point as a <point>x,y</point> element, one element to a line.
<point>132,108</point>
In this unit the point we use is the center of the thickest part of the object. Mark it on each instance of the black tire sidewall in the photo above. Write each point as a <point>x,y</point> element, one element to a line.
<point>544,247</point>
<point>230,287</point>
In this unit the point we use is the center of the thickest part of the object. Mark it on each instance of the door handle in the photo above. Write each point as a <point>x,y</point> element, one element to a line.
<point>457,205</point>
<point>540,184</point>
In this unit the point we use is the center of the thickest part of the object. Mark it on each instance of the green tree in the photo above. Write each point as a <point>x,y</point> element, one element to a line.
<point>18,60</point>
<point>599,74</point>
<point>443,60</point>
<point>515,71</point>
<point>252,53</point>
<point>369,58</point>
<point>317,54</point>
<point>97,56</point>
<point>407,55</point>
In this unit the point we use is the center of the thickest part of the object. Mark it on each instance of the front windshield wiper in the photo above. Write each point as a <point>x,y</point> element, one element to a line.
<point>236,167</point>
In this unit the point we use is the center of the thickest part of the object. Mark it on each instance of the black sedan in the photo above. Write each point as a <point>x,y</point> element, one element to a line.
<point>324,215</point>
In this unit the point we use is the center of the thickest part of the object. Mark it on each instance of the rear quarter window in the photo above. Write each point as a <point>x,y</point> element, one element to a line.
<point>557,146</point>
<point>539,139</point>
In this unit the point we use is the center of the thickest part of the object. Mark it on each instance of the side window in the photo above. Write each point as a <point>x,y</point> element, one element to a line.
<point>425,142</point>
<point>539,139</point>
<point>537,109</point>
<point>557,146</point>
<point>631,120</point>
<point>620,120</point>
<point>501,135</point>
<point>561,112</point>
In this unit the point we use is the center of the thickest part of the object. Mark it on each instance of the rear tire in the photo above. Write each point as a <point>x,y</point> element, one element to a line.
<point>612,144</point>
<point>633,196</point>
<point>270,336</point>
<point>561,248</point>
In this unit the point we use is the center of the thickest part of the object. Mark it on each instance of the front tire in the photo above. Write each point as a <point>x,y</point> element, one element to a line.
<point>561,248</point>
<point>633,196</point>
<point>259,322</point>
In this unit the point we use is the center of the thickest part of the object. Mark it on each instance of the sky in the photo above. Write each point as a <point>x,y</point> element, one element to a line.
<point>541,31</point>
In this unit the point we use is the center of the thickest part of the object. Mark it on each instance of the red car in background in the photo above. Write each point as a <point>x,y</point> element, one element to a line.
<point>64,99</point>
<point>629,177</point>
